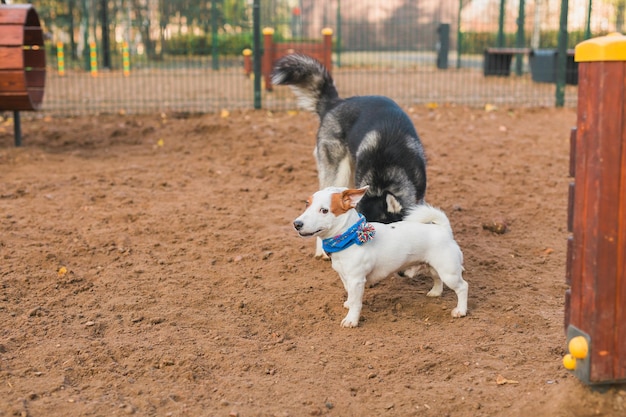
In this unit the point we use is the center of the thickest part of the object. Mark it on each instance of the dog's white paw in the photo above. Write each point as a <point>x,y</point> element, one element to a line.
<point>345,304</point>
<point>456,312</point>
<point>435,292</point>
<point>350,321</point>
<point>321,256</point>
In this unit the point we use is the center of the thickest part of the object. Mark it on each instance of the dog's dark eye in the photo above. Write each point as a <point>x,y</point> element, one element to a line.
<point>324,210</point>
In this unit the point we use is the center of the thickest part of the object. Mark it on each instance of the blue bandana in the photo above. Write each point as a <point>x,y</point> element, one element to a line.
<point>358,233</point>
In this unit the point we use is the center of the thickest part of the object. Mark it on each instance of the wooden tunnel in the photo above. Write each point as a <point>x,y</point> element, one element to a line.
<point>22,58</point>
<point>595,310</point>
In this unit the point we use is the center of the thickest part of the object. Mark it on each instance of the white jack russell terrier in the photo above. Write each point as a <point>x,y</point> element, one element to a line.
<point>363,252</point>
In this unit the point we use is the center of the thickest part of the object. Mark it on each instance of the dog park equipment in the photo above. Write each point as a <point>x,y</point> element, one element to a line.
<point>125,59</point>
<point>273,51</point>
<point>543,66</point>
<point>60,59</point>
<point>22,62</point>
<point>595,303</point>
<point>542,62</point>
<point>93,59</point>
<point>497,61</point>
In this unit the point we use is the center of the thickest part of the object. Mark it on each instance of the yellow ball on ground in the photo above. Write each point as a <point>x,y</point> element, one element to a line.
<point>569,362</point>
<point>578,347</point>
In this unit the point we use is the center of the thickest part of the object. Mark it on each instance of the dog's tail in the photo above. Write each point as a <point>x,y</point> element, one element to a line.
<point>308,79</point>
<point>424,213</point>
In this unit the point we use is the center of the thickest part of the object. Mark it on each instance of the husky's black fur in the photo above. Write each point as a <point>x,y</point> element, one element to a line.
<point>362,140</point>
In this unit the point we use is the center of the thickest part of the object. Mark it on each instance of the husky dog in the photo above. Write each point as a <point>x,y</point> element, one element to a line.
<point>363,252</point>
<point>361,140</point>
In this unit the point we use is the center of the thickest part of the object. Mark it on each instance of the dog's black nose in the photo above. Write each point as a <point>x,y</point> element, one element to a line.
<point>298,224</point>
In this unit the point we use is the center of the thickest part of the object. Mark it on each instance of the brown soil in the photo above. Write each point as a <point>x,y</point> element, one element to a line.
<point>149,267</point>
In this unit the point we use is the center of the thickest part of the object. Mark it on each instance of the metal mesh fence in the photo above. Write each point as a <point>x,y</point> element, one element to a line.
<point>109,56</point>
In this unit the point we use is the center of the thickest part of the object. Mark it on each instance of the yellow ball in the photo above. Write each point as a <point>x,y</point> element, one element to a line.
<point>578,347</point>
<point>569,362</point>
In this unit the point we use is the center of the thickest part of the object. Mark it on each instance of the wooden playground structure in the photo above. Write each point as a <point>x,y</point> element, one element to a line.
<point>22,61</point>
<point>595,313</point>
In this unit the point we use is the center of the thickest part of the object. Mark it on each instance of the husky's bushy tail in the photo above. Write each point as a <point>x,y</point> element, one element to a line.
<point>425,213</point>
<point>308,79</point>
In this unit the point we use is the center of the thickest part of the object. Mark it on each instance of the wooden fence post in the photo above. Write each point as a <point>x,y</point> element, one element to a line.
<point>247,61</point>
<point>595,313</point>
<point>327,42</point>
<point>268,57</point>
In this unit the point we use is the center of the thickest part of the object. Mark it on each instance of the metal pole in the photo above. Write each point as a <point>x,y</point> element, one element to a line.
<point>459,35</point>
<point>588,25</point>
<point>17,128</point>
<point>443,45</point>
<point>338,47</point>
<point>519,40</point>
<point>500,39</point>
<point>106,42</point>
<point>256,56</point>
<point>84,27</point>
<point>71,31</point>
<point>561,61</point>
<point>214,46</point>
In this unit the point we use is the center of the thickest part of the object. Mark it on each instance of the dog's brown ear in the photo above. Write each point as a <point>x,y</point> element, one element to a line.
<point>351,197</point>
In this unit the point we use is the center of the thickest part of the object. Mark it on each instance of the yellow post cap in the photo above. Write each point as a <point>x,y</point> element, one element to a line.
<point>611,47</point>
<point>268,31</point>
<point>247,52</point>
<point>327,31</point>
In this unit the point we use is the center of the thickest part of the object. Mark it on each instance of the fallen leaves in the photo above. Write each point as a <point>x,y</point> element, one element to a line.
<point>490,107</point>
<point>500,380</point>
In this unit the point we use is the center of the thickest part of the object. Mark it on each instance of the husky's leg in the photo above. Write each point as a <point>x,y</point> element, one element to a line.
<point>334,168</point>
<point>319,250</point>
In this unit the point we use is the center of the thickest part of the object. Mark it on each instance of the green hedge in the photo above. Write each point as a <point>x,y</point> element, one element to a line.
<point>471,42</point>
<point>227,44</point>
<point>476,42</point>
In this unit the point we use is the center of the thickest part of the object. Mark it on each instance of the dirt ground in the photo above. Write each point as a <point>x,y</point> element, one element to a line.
<point>148,266</point>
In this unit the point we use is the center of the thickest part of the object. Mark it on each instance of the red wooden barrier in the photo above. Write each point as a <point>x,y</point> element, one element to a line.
<point>595,313</point>
<point>272,51</point>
